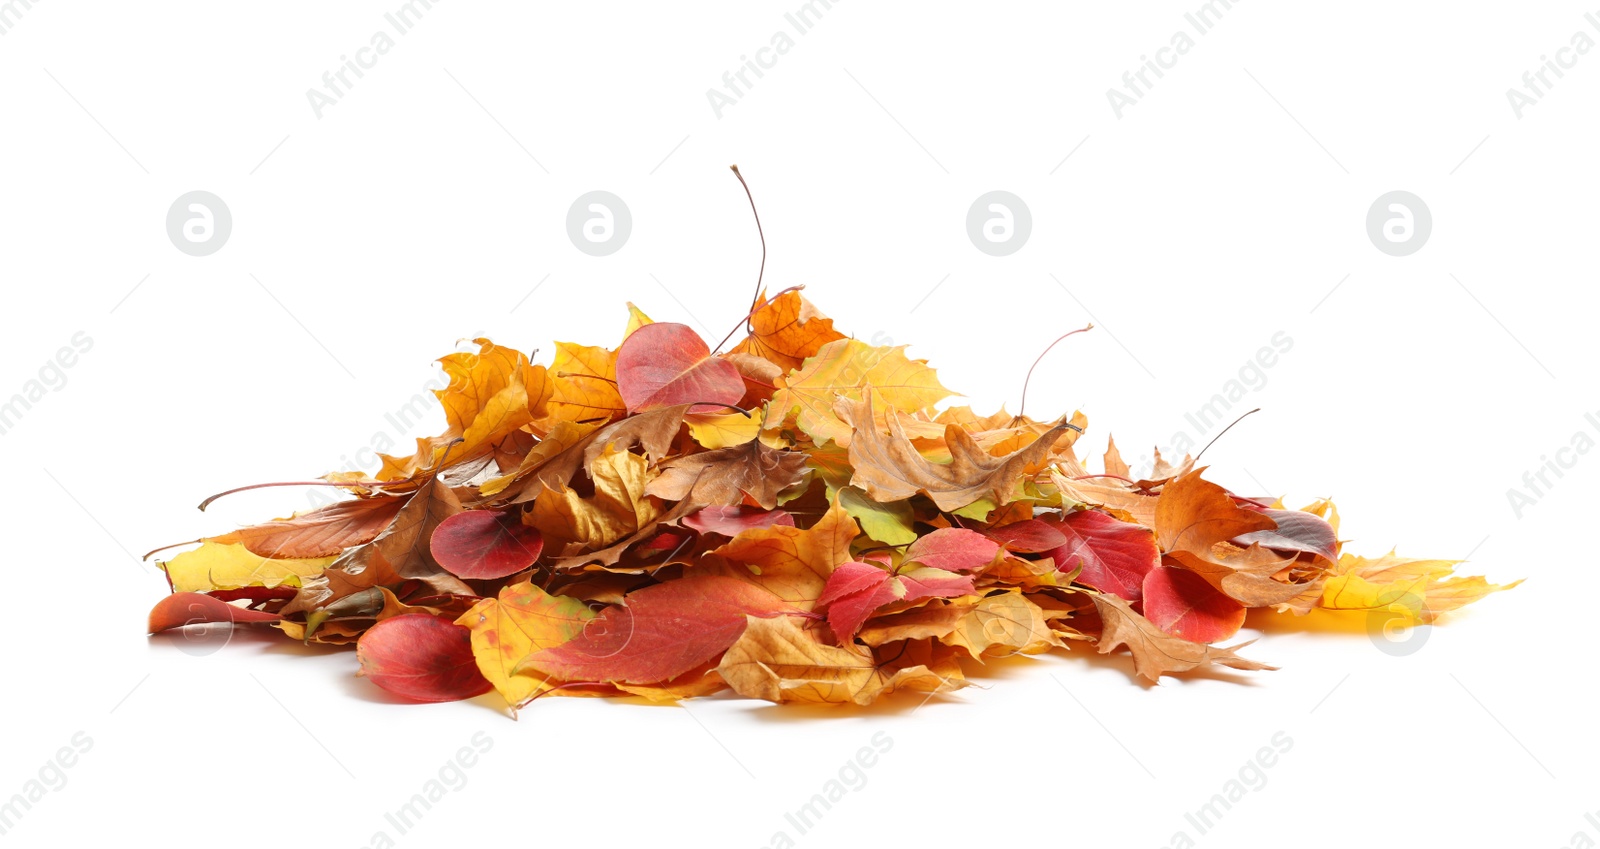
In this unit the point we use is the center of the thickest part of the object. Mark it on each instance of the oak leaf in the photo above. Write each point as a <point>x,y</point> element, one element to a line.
<point>889,468</point>
<point>1155,652</point>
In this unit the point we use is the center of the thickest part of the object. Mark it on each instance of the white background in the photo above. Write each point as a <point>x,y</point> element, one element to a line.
<point>429,203</point>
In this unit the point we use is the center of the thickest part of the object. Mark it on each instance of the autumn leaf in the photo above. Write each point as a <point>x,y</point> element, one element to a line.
<point>856,590</point>
<point>1029,536</point>
<point>324,532</point>
<point>1418,589</point>
<point>508,629</point>
<point>845,369</point>
<point>421,657</point>
<point>888,467</point>
<point>1004,624</point>
<point>889,522</point>
<point>1184,605</point>
<point>953,550</point>
<point>1113,556</point>
<point>724,430</point>
<point>731,476</point>
<point>483,544</point>
<point>1155,652</point>
<point>730,521</point>
<point>1296,531</point>
<point>220,566</point>
<point>618,507</point>
<point>584,384</point>
<point>786,330</point>
<point>549,464</point>
<point>665,364</point>
<point>659,632</point>
<point>185,608</point>
<point>791,563</point>
<point>781,661</point>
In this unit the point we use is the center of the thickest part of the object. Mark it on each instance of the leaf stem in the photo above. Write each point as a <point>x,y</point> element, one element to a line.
<point>1023,406</point>
<point>351,484</point>
<point>1219,436</point>
<point>761,274</point>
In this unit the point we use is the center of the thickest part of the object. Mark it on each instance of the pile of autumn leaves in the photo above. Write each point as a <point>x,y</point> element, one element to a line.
<point>792,520</point>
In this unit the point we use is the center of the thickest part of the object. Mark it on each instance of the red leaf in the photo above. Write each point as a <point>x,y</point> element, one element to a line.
<point>729,521</point>
<point>665,541</point>
<point>1184,605</point>
<point>1116,555</point>
<point>953,550</point>
<point>853,593</point>
<point>421,657</point>
<point>934,583</point>
<point>665,364</point>
<point>180,609</point>
<point>485,544</point>
<point>661,631</point>
<point>1029,536</point>
<point>1296,531</point>
<point>323,532</point>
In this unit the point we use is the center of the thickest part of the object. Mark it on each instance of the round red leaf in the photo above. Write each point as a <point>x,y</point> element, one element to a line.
<point>1184,605</point>
<point>664,364</point>
<point>421,657</point>
<point>485,544</point>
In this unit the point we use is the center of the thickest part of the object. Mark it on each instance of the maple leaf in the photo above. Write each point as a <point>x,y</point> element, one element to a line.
<point>584,384</point>
<point>786,331</point>
<point>491,394</point>
<point>845,369</point>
